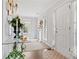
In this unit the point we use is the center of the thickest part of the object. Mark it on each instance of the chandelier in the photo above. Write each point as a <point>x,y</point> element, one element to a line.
<point>11,6</point>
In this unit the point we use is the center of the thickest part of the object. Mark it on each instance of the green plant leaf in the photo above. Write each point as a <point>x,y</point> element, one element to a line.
<point>15,54</point>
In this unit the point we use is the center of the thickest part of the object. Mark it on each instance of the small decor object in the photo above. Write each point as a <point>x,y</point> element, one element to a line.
<point>17,25</point>
<point>11,6</point>
<point>23,38</point>
<point>40,24</point>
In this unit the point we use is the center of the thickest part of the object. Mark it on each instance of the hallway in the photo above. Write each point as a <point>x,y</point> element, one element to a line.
<point>44,54</point>
<point>39,50</point>
<point>40,29</point>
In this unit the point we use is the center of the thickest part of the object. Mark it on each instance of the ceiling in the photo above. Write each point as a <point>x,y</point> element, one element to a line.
<point>33,7</point>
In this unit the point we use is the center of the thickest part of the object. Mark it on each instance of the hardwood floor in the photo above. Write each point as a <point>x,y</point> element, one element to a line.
<point>44,54</point>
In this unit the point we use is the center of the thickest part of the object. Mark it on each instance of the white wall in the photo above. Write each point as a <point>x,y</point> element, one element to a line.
<point>8,39</point>
<point>5,24</point>
<point>51,14</point>
<point>5,30</point>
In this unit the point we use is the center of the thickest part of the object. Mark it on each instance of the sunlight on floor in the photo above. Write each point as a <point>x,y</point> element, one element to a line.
<point>43,54</point>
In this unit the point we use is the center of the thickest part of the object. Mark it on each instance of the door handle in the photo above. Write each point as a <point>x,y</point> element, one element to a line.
<point>69,28</point>
<point>56,31</point>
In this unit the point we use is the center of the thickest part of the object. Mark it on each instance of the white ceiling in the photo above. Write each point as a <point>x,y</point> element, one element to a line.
<point>33,7</point>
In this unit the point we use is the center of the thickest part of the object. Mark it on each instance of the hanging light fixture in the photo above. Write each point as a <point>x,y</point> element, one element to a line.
<point>11,6</point>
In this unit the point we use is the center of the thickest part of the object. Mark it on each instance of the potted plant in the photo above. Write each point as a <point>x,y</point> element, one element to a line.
<point>15,54</point>
<point>14,25</point>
